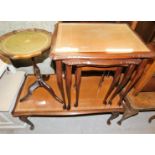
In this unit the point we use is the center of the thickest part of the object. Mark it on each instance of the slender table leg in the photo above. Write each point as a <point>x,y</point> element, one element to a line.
<point>128,111</point>
<point>115,82</point>
<point>60,80</point>
<point>39,83</point>
<point>134,80</point>
<point>151,118</point>
<point>26,120</point>
<point>30,90</point>
<point>101,80</point>
<point>68,84</point>
<point>112,117</point>
<point>77,83</point>
<point>123,83</point>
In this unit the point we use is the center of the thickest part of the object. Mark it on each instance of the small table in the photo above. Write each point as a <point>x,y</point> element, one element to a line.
<point>25,44</point>
<point>83,44</point>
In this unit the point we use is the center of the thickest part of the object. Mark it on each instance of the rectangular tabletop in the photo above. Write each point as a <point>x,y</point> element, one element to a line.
<point>84,40</point>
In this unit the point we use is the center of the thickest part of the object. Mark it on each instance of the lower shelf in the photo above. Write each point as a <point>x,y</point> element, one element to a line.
<point>41,103</point>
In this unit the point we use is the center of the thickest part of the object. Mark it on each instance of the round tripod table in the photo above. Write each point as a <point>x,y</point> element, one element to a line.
<point>27,44</point>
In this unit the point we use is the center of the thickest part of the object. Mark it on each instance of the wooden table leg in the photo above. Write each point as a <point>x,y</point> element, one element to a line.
<point>124,82</point>
<point>101,80</point>
<point>39,83</point>
<point>134,79</point>
<point>128,111</point>
<point>26,120</point>
<point>68,78</point>
<point>112,117</point>
<point>60,80</point>
<point>151,118</point>
<point>115,82</point>
<point>77,83</point>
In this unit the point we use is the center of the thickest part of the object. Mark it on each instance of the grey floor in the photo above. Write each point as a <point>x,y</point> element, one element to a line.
<point>87,125</point>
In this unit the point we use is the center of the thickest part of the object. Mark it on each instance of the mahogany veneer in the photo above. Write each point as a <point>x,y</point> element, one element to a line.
<point>41,103</point>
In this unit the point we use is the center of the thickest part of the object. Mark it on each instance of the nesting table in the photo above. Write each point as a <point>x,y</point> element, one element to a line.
<point>100,45</point>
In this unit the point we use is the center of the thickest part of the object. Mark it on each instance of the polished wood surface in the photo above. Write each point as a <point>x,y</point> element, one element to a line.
<point>149,72</point>
<point>99,40</point>
<point>41,103</point>
<point>150,86</point>
<point>143,101</point>
<point>134,25</point>
<point>23,44</point>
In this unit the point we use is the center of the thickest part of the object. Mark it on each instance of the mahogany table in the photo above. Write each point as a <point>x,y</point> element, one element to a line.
<point>24,44</point>
<point>100,45</point>
<point>44,105</point>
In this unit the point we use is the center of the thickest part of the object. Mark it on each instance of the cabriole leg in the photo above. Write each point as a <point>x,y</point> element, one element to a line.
<point>26,120</point>
<point>68,84</point>
<point>77,83</point>
<point>134,80</point>
<point>112,117</point>
<point>60,80</point>
<point>123,83</point>
<point>151,118</point>
<point>128,112</point>
<point>114,83</point>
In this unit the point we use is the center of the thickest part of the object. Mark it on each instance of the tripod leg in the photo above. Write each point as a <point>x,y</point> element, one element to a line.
<point>30,90</point>
<point>50,90</point>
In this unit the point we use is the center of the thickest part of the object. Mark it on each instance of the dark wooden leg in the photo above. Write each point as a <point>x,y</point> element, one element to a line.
<point>26,120</point>
<point>128,112</point>
<point>101,80</point>
<point>39,83</point>
<point>134,80</point>
<point>50,90</point>
<point>105,73</point>
<point>151,118</point>
<point>45,77</point>
<point>60,80</point>
<point>112,117</point>
<point>115,82</point>
<point>78,82</point>
<point>68,84</point>
<point>123,83</point>
<point>30,90</point>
